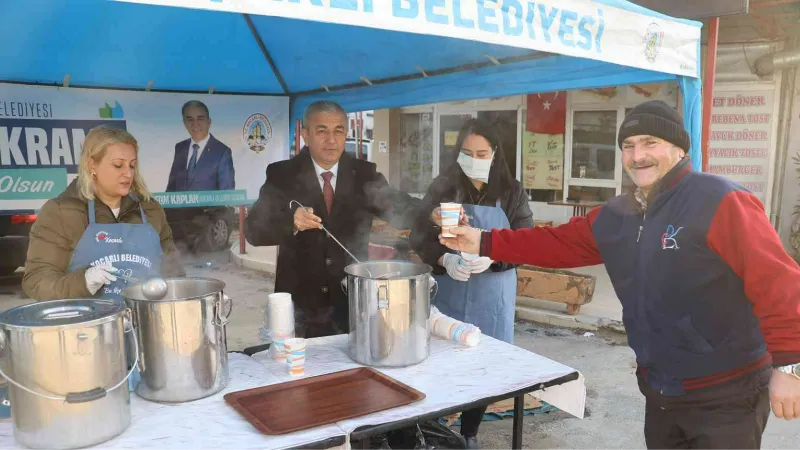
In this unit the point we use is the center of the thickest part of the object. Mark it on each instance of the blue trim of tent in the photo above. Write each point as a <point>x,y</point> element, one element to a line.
<point>693,117</point>
<point>119,45</point>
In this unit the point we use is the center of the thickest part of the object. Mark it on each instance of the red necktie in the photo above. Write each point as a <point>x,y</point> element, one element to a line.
<point>327,189</point>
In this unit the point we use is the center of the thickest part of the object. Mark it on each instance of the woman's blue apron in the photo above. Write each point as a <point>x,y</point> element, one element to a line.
<point>487,299</point>
<point>134,249</point>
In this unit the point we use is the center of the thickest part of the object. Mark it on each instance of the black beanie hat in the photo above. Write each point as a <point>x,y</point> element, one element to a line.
<point>658,119</point>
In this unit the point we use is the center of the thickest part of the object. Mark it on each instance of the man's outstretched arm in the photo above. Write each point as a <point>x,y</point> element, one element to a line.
<point>562,247</point>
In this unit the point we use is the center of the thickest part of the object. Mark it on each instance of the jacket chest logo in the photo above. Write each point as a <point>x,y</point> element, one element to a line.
<point>669,240</point>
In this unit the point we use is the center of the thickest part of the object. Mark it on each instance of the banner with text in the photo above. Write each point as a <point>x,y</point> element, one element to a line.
<point>741,138</point>
<point>42,130</point>
<point>581,28</point>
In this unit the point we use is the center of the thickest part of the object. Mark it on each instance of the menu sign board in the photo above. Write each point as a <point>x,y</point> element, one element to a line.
<point>741,138</point>
<point>542,161</point>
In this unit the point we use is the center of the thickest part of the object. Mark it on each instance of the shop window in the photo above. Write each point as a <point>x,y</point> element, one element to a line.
<point>412,164</point>
<point>594,145</point>
<point>595,167</point>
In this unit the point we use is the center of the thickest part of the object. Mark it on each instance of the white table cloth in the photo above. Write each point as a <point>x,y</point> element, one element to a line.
<point>452,375</point>
<point>208,423</point>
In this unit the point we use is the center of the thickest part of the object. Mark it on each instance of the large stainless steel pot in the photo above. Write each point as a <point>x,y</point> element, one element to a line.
<point>66,366</point>
<point>184,351</point>
<point>389,310</point>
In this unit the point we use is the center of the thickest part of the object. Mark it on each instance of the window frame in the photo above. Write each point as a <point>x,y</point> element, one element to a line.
<point>616,183</point>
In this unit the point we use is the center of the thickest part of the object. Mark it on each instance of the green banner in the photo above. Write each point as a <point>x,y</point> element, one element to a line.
<point>201,198</point>
<point>32,184</point>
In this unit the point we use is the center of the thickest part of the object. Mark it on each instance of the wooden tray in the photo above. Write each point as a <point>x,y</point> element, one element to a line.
<point>307,403</point>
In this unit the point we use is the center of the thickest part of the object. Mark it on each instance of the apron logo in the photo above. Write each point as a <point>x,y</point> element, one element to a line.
<point>105,237</point>
<point>668,239</point>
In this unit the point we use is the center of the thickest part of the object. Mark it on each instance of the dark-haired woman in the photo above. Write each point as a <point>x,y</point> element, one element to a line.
<point>475,289</point>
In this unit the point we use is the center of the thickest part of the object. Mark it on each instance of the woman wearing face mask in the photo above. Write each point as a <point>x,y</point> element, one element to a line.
<point>475,290</point>
<point>103,230</point>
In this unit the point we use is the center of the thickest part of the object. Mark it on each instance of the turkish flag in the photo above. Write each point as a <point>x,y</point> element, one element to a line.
<point>547,113</point>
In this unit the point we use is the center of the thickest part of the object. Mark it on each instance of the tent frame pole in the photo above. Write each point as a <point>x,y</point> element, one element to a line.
<point>427,74</point>
<point>266,54</point>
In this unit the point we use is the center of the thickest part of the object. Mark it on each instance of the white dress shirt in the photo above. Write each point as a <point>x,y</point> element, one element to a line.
<point>202,145</point>
<point>319,170</point>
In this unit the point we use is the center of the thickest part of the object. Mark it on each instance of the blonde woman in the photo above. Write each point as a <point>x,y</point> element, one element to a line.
<point>102,230</point>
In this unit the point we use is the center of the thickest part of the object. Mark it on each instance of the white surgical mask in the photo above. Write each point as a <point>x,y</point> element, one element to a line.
<point>477,169</point>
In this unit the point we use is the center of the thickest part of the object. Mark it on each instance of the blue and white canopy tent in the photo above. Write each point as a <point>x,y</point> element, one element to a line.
<point>364,54</point>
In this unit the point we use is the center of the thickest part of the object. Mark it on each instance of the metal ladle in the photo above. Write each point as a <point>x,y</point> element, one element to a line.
<point>386,275</point>
<point>154,288</point>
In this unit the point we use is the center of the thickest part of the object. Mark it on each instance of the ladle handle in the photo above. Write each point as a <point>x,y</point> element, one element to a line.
<point>329,234</point>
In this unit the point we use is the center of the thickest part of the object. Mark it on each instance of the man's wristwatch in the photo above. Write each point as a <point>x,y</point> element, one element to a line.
<point>792,369</point>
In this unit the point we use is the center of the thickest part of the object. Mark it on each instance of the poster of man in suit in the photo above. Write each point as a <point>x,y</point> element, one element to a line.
<point>200,163</point>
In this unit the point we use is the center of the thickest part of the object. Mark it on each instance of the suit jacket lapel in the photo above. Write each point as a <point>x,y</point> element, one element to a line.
<point>186,151</point>
<point>206,152</point>
<point>345,180</point>
<point>308,178</point>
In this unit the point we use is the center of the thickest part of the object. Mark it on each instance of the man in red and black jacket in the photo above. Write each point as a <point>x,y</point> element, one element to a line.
<point>711,300</point>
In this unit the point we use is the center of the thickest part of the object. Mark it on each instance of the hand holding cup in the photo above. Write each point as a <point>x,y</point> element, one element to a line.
<point>464,239</point>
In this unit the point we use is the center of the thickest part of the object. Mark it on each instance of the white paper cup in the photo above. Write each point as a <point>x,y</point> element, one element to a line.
<point>282,335</point>
<point>450,212</point>
<point>281,313</point>
<point>282,310</point>
<point>282,298</point>
<point>295,349</point>
<point>282,328</point>
<point>278,349</point>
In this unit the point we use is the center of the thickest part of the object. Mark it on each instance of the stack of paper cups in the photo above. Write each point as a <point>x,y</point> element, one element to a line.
<point>450,212</point>
<point>296,356</point>
<point>449,328</point>
<point>281,322</point>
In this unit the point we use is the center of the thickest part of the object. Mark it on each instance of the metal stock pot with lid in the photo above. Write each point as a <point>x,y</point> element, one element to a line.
<point>182,337</point>
<point>390,304</point>
<point>66,366</point>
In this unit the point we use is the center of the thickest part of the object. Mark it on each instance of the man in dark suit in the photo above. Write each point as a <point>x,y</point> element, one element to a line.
<point>341,192</point>
<point>201,163</point>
